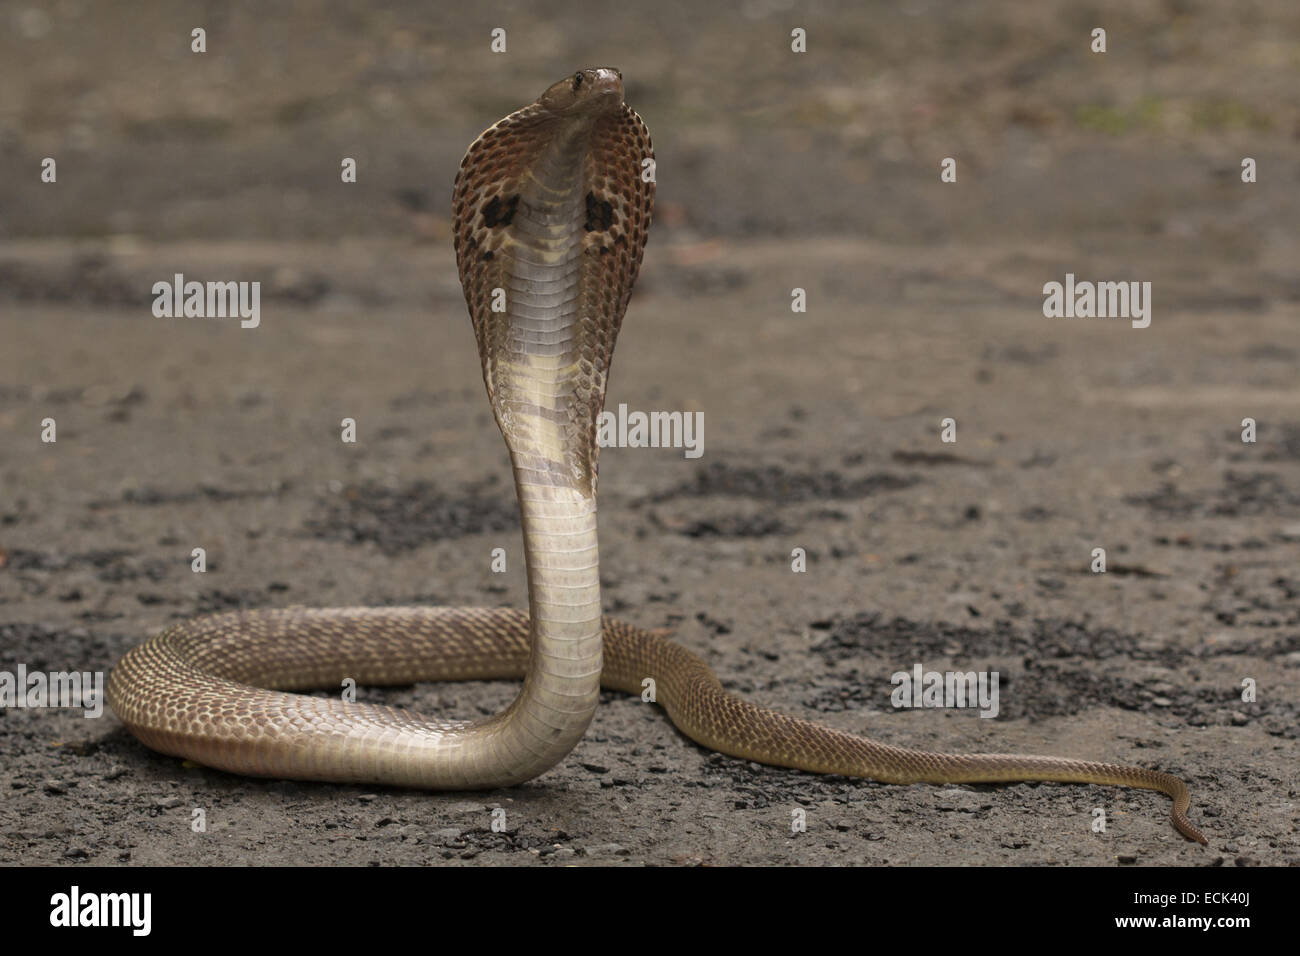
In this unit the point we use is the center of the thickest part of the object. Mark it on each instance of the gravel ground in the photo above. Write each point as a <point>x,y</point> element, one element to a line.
<point>821,428</point>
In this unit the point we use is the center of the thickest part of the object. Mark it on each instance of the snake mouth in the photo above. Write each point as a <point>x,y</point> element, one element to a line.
<point>605,81</point>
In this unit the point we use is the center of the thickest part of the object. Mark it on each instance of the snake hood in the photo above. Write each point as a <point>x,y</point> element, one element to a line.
<point>552,207</point>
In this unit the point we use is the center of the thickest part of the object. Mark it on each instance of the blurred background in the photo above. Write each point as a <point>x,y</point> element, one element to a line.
<point>776,171</point>
<point>243,142</point>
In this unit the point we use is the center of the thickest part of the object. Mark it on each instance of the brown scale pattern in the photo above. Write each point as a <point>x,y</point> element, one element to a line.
<point>197,680</point>
<point>494,171</point>
<point>215,689</point>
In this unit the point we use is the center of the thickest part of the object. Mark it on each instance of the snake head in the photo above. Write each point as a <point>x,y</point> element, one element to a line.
<point>587,91</point>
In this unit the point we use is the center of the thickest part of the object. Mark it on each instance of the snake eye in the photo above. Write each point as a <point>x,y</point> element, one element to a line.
<point>577,81</point>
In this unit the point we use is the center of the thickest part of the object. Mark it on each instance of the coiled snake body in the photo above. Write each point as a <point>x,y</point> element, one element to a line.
<point>550,208</point>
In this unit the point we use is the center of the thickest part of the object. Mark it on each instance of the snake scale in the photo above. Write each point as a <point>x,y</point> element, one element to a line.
<point>550,207</point>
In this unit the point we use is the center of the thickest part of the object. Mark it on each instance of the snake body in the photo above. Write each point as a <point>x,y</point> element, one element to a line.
<point>551,215</point>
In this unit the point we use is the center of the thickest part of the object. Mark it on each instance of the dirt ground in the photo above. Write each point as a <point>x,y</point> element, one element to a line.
<point>776,170</point>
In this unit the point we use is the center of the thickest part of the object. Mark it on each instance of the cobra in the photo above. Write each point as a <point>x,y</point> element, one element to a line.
<point>551,213</point>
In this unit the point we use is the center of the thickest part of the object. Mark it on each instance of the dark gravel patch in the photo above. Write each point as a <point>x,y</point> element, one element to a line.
<point>776,483</point>
<point>402,519</point>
